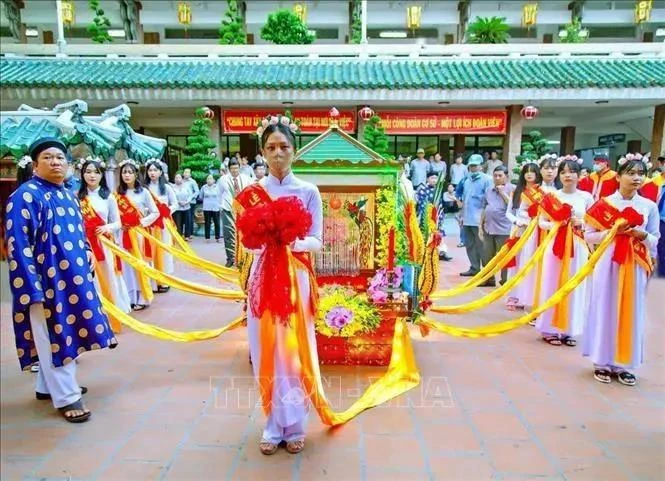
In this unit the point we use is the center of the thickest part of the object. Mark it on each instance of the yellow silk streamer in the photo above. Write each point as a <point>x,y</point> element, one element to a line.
<point>160,277</point>
<point>492,267</point>
<point>166,334</point>
<point>177,238</point>
<point>504,289</point>
<point>505,326</point>
<point>224,273</point>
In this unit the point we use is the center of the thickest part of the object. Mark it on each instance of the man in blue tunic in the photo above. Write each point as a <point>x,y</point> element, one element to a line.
<point>57,314</point>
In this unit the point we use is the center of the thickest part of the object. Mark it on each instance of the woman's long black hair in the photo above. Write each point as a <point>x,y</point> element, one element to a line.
<point>104,191</point>
<point>122,186</point>
<point>521,182</point>
<point>161,181</point>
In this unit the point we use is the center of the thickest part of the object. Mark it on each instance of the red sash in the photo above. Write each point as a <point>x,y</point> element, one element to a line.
<point>164,211</point>
<point>603,216</point>
<point>130,217</point>
<point>273,269</point>
<point>91,221</point>
<point>561,212</point>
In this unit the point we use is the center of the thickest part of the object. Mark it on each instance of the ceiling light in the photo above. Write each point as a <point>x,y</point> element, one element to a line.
<point>31,32</point>
<point>598,102</point>
<point>444,102</point>
<point>553,142</point>
<point>287,103</point>
<point>117,33</point>
<point>393,34</point>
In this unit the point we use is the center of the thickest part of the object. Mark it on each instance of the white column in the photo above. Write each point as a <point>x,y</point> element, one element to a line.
<point>363,20</point>
<point>61,28</point>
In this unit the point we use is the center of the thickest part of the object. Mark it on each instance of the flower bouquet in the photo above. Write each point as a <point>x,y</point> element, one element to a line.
<point>350,330</point>
<point>386,287</point>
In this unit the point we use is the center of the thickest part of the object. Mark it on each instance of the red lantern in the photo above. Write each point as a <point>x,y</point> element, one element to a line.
<point>529,112</point>
<point>333,112</point>
<point>366,113</point>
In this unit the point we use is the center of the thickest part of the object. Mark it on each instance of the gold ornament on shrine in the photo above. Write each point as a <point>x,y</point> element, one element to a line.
<point>643,11</point>
<point>413,16</point>
<point>529,14</point>
<point>300,10</point>
<point>68,13</point>
<point>184,13</point>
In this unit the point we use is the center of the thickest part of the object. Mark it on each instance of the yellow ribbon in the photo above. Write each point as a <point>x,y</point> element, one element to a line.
<point>224,273</point>
<point>504,289</point>
<point>166,279</point>
<point>505,326</point>
<point>166,334</point>
<point>497,263</point>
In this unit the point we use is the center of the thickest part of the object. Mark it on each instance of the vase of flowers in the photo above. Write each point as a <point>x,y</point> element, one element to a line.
<point>352,330</point>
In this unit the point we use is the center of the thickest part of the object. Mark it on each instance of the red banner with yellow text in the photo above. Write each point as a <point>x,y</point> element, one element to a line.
<point>311,121</point>
<point>490,122</point>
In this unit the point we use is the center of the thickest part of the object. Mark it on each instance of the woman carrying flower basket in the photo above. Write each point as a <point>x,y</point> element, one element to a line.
<point>280,221</point>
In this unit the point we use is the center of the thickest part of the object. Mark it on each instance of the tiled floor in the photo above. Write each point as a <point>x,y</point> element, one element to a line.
<point>504,408</point>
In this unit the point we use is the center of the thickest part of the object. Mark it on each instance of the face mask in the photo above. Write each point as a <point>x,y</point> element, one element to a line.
<point>598,167</point>
<point>475,175</point>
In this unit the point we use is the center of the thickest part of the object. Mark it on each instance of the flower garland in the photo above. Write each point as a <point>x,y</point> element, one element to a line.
<point>343,313</point>
<point>89,158</point>
<point>387,217</point>
<point>274,120</point>
<point>380,283</point>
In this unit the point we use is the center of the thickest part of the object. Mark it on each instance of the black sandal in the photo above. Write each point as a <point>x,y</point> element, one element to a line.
<point>552,340</point>
<point>43,396</point>
<point>163,289</point>
<point>602,375</point>
<point>626,378</point>
<point>75,406</point>
<point>569,341</point>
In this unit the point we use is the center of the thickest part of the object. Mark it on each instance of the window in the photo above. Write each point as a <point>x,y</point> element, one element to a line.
<point>429,143</point>
<point>229,145</point>
<point>405,145</point>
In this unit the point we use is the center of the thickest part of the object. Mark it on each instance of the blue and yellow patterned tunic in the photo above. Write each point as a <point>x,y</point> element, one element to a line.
<point>48,264</point>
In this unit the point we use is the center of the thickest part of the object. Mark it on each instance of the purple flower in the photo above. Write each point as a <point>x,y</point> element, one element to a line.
<point>338,317</point>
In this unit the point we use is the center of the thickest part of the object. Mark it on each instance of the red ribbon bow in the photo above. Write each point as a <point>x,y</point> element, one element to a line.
<point>624,242</point>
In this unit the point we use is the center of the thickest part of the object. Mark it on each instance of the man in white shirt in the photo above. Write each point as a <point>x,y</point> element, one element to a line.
<point>458,170</point>
<point>493,162</point>
<point>229,186</point>
<point>194,189</point>
<point>439,166</point>
<point>419,168</point>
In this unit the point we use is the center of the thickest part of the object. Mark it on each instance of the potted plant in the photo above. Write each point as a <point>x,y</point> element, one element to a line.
<point>488,30</point>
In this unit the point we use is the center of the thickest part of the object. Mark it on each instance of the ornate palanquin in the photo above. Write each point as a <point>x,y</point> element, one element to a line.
<point>349,175</point>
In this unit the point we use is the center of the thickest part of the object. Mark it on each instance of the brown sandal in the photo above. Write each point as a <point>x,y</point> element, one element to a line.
<point>552,340</point>
<point>294,447</point>
<point>268,448</point>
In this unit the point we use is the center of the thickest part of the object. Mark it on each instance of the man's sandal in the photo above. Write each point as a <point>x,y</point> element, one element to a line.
<point>43,396</point>
<point>268,448</point>
<point>626,378</point>
<point>569,341</point>
<point>75,406</point>
<point>602,375</point>
<point>552,340</point>
<point>294,447</point>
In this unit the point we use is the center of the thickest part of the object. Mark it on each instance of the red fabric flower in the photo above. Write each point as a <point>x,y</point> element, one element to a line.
<point>275,224</point>
<point>631,216</point>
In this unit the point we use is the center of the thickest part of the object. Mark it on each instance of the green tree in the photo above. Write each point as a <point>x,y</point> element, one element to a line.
<point>198,151</point>
<point>574,32</point>
<point>356,22</point>
<point>99,28</point>
<point>231,32</point>
<point>375,137</point>
<point>285,28</point>
<point>534,147</point>
<point>488,30</point>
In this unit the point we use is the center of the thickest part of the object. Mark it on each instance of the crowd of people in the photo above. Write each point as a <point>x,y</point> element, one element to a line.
<point>59,269</point>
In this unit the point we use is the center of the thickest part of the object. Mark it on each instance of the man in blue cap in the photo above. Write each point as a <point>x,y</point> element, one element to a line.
<point>475,185</point>
<point>57,314</point>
